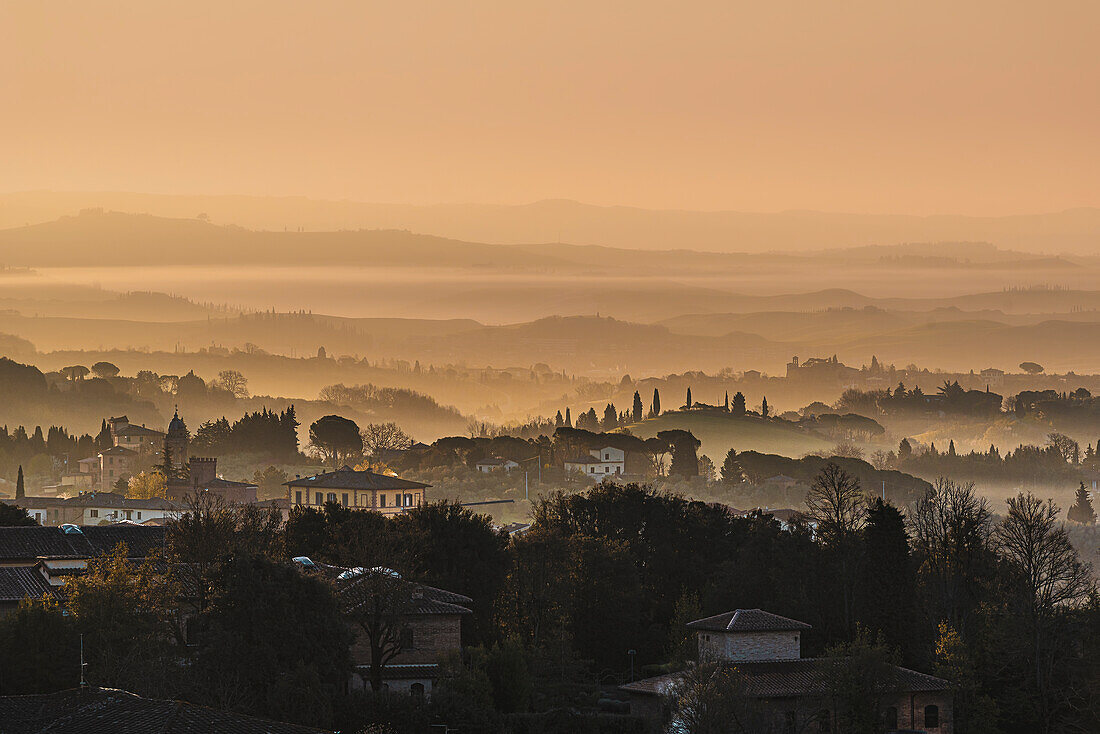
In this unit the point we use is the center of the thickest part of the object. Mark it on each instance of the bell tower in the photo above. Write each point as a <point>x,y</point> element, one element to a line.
<point>177,440</point>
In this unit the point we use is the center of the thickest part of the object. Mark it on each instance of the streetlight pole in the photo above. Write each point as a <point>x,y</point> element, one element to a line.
<point>83,665</point>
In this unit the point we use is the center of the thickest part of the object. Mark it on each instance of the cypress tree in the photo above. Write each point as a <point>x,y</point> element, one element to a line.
<point>568,420</point>
<point>21,491</point>
<point>636,413</point>
<point>1082,510</point>
<point>610,418</point>
<point>655,411</point>
<point>688,404</point>
<point>764,407</point>
<point>731,469</point>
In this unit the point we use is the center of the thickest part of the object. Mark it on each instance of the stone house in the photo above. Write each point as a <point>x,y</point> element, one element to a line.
<point>762,653</point>
<point>202,477</point>
<point>105,468</point>
<point>146,442</point>
<point>362,490</point>
<point>427,623</point>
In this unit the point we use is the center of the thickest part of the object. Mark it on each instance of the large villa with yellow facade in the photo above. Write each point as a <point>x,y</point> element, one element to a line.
<point>362,490</point>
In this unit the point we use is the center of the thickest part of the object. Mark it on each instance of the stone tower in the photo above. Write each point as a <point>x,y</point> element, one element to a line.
<point>177,440</point>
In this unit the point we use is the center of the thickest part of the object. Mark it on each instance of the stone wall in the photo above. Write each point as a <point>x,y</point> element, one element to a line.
<point>434,637</point>
<point>744,646</point>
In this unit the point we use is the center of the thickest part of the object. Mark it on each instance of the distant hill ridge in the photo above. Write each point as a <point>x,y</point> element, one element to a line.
<point>99,237</point>
<point>1072,231</point>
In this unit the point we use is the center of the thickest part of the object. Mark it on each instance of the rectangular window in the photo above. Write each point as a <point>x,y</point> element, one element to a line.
<point>139,514</point>
<point>298,497</point>
<point>382,500</point>
<point>93,513</point>
<point>320,498</point>
<point>345,499</point>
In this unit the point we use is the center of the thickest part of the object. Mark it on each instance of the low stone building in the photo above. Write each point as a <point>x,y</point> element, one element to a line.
<point>761,654</point>
<point>96,508</point>
<point>422,625</point>
<point>202,477</point>
<point>495,463</point>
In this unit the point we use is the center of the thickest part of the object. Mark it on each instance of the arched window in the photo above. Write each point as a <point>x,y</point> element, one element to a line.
<point>890,719</point>
<point>417,690</point>
<point>931,716</point>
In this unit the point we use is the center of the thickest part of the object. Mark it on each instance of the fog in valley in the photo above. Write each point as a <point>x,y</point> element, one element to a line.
<point>498,367</point>
<point>477,338</point>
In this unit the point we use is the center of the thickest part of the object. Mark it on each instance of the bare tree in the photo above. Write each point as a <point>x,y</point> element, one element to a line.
<point>1047,577</point>
<point>210,531</point>
<point>384,437</point>
<point>712,698</point>
<point>838,505</point>
<point>379,601</point>
<point>1067,448</point>
<point>951,528</point>
<point>234,382</point>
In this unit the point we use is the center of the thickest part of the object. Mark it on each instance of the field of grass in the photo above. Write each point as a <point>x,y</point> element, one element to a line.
<point>720,433</point>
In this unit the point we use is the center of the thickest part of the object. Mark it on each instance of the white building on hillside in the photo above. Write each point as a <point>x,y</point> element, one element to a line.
<point>607,461</point>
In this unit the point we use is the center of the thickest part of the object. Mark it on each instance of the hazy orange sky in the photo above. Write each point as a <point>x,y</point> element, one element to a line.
<point>910,107</point>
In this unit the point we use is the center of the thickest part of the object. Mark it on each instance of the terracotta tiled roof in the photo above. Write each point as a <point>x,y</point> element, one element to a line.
<point>113,499</point>
<point>219,483</point>
<point>494,461</point>
<point>422,599</point>
<point>803,677</point>
<point>118,451</point>
<point>36,503</point>
<point>132,430</point>
<point>108,711</point>
<point>23,581</point>
<point>747,620</point>
<point>587,459</point>
<point>29,543</point>
<point>346,478</point>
